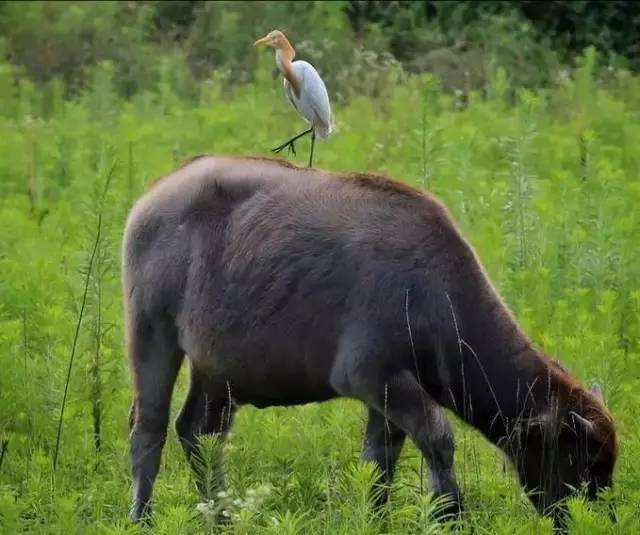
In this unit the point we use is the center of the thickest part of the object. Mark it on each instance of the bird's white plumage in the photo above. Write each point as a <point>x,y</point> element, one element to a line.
<point>313,103</point>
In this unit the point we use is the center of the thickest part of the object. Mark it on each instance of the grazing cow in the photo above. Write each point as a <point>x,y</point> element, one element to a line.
<point>285,285</point>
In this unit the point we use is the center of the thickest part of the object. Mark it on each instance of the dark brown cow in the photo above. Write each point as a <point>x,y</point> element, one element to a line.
<point>287,286</point>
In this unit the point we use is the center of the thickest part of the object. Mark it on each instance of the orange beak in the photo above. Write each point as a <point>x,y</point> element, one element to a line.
<point>263,41</point>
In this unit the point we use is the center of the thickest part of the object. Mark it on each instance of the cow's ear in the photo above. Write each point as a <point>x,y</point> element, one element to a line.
<point>596,390</point>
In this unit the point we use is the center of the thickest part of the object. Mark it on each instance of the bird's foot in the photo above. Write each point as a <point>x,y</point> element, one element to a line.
<point>289,144</point>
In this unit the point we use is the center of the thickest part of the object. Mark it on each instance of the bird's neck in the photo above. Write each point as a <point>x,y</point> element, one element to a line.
<point>284,60</point>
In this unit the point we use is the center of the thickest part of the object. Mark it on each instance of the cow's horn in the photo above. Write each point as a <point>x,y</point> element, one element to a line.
<point>586,424</point>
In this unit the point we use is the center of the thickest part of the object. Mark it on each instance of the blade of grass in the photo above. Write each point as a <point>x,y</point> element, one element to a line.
<point>75,340</point>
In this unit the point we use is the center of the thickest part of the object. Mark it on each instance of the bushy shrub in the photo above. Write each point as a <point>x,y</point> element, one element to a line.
<point>461,43</point>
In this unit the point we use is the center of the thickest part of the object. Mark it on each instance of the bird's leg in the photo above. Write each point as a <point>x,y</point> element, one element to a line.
<point>291,142</point>
<point>313,142</point>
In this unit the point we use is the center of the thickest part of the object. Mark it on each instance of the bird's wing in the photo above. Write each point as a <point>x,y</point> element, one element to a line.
<point>314,100</point>
<point>291,97</point>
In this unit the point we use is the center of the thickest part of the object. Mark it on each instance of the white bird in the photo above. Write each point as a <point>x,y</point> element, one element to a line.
<point>304,89</point>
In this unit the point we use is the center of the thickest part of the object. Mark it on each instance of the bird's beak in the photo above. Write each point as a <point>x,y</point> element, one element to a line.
<point>263,41</point>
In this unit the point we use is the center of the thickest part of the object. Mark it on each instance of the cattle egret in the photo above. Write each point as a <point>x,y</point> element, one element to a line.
<point>304,89</point>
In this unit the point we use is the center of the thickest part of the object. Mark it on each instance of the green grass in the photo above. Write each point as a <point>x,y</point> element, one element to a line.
<point>545,185</point>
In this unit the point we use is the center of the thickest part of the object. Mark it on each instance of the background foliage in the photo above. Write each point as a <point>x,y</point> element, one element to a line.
<point>461,42</point>
<point>534,149</point>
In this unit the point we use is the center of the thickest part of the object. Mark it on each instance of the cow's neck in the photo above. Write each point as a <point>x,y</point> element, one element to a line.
<point>493,375</point>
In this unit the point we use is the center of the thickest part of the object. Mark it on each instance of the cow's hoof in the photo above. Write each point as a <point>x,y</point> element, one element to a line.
<point>451,510</point>
<point>140,513</point>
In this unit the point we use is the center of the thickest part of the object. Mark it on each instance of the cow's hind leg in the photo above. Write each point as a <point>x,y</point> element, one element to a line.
<point>191,420</point>
<point>208,410</point>
<point>382,445</point>
<point>155,360</point>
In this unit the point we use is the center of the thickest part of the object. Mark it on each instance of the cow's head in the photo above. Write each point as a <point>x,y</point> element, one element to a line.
<point>571,446</point>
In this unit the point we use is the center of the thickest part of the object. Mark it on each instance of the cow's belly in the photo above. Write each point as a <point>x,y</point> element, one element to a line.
<point>267,368</point>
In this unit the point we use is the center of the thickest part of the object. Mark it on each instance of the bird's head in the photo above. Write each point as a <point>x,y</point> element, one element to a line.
<point>275,39</point>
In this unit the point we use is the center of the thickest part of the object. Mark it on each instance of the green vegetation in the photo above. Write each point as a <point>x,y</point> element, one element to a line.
<point>544,182</point>
<point>461,42</point>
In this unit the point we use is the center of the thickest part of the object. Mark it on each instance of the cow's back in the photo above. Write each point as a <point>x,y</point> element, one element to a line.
<point>179,207</point>
<point>264,267</point>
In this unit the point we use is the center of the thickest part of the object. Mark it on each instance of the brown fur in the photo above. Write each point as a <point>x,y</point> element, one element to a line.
<point>279,161</point>
<point>381,183</point>
<point>577,398</point>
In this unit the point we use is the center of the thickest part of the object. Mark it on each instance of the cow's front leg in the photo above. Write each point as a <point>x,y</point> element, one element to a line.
<point>437,444</point>
<point>382,445</point>
<point>409,407</point>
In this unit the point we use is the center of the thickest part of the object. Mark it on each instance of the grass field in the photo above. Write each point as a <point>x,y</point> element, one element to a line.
<point>545,185</point>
